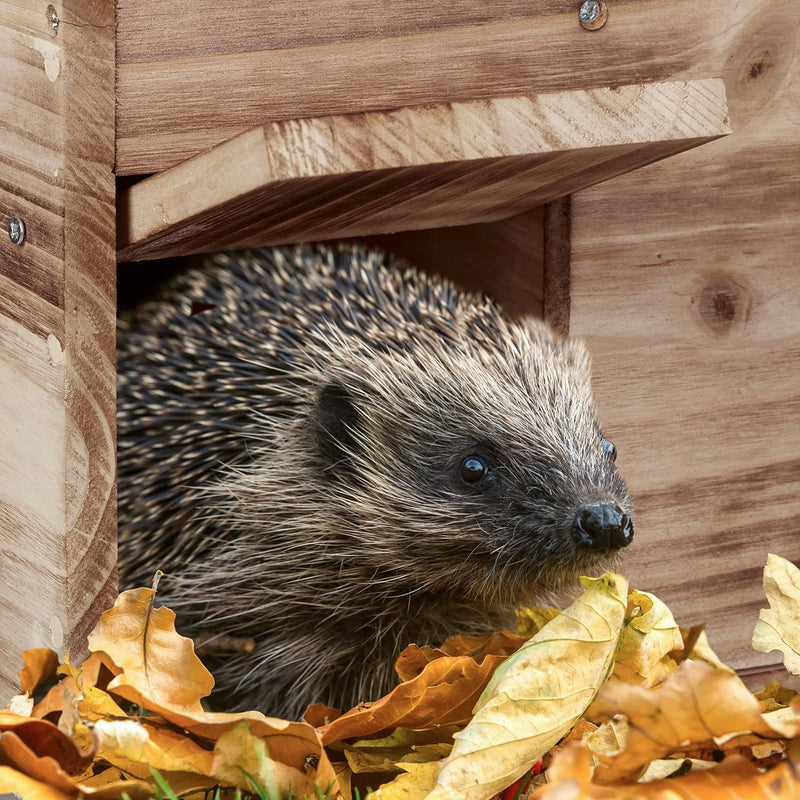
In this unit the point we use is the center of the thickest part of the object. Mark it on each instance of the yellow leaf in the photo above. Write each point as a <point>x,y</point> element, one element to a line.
<point>415,783</point>
<point>160,671</point>
<point>157,663</point>
<point>696,705</point>
<point>697,648</point>
<point>135,745</point>
<point>531,620</point>
<point>649,636</point>
<point>778,627</point>
<point>238,753</point>
<point>537,695</point>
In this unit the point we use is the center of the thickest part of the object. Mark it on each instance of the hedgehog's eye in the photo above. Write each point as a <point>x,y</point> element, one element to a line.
<point>473,469</point>
<point>609,449</point>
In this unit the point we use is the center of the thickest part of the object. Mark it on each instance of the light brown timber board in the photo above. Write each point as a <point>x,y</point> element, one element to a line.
<point>685,281</point>
<point>57,375</point>
<point>170,108</point>
<point>470,254</point>
<point>433,166</point>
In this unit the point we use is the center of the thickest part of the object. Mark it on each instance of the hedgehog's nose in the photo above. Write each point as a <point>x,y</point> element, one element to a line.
<point>602,526</point>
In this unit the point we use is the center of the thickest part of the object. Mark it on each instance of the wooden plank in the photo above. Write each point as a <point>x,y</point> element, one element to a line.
<point>170,108</point>
<point>469,254</point>
<point>57,375</point>
<point>433,166</point>
<point>685,284</point>
<point>150,30</point>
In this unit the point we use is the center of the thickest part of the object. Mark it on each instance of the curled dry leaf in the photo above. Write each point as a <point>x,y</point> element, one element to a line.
<point>413,659</point>
<point>537,695</point>
<point>442,694</point>
<point>40,665</point>
<point>697,705</point>
<point>155,661</point>
<point>647,640</point>
<point>778,627</point>
<point>159,670</point>
<point>735,778</point>
<point>45,740</point>
<point>13,782</point>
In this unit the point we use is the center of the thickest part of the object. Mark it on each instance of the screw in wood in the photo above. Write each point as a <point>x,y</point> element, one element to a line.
<point>16,230</point>
<point>52,20</point>
<point>593,14</point>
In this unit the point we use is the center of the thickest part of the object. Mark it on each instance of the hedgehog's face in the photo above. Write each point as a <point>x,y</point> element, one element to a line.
<point>484,472</point>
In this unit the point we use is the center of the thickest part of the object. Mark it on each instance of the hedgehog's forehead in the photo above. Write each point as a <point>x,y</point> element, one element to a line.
<point>514,379</point>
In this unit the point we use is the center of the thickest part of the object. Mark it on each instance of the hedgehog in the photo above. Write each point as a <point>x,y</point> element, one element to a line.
<point>332,455</point>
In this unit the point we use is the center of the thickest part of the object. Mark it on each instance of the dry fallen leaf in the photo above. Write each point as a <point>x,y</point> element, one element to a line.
<point>155,661</point>
<point>569,778</point>
<point>778,627</point>
<point>159,670</point>
<point>697,705</point>
<point>537,695</point>
<point>40,667</point>
<point>443,693</point>
<point>649,636</point>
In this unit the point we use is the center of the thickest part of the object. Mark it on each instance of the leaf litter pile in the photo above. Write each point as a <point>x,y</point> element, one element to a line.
<point>606,699</point>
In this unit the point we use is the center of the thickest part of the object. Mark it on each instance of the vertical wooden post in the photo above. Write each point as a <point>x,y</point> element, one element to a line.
<point>57,310</point>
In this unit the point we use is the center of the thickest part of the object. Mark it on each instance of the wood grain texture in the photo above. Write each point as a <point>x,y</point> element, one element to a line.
<point>57,379</point>
<point>471,255</point>
<point>171,106</point>
<point>432,166</point>
<point>685,282</point>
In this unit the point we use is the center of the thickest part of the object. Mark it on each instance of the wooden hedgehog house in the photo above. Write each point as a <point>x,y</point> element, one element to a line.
<point>511,145</point>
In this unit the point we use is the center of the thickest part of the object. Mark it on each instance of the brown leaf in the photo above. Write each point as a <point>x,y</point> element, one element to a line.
<point>443,693</point>
<point>735,778</point>
<point>697,705</point>
<point>40,667</point>
<point>45,740</point>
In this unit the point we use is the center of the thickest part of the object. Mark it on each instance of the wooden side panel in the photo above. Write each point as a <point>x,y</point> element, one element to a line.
<point>57,371</point>
<point>177,98</point>
<point>686,283</point>
<point>432,166</point>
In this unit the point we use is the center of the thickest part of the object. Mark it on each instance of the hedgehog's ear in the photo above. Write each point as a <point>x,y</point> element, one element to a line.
<point>337,421</point>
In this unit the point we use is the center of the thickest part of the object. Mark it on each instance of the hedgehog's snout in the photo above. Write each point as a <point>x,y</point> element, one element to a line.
<point>602,526</point>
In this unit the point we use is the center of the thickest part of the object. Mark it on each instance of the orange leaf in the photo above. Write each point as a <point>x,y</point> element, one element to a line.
<point>45,739</point>
<point>157,663</point>
<point>697,704</point>
<point>15,783</point>
<point>444,693</point>
<point>735,778</point>
<point>414,658</point>
<point>40,667</point>
<point>160,671</point>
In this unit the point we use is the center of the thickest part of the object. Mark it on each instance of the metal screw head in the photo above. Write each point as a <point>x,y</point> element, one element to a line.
<point>52,20</point>
<point>593,14</point>
<point>16,230</point>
